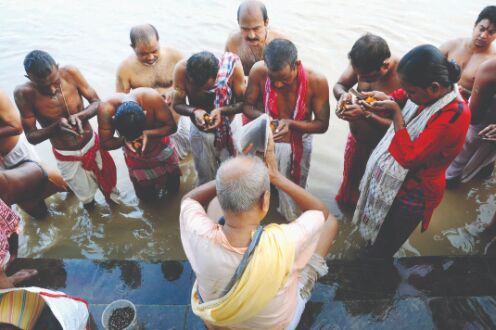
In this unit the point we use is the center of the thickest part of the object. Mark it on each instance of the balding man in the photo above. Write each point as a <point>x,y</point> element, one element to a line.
<point>268,290</point>
<point>152,66</point>
<point>253,35</point>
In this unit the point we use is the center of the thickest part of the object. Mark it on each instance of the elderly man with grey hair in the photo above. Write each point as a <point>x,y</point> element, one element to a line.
<point>248,275</point>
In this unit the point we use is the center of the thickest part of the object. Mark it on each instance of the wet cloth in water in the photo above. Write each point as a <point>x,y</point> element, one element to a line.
<point>214,261</point>
<point>384,175</point>
<point>356,156</point>
<point>9,224</point>
<point>88,169</point>
<point>154,165</point>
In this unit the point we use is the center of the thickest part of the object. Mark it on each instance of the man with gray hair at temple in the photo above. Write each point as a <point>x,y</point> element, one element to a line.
<point>247,275</point>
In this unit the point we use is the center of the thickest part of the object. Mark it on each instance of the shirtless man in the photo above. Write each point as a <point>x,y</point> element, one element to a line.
<point>479,152</point>
<point>214,87</point>
<point>53,97</point>
<point>143,120</point>
<point>298,99</point>
<point>253,35</point>
<point>15,151</point>
<point>469,53</point>
<point>152,66</point>
<point>371,68</point>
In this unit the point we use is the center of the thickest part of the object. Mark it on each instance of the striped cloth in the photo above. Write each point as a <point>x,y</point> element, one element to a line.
<point>223,97</point>
<point>21,308</point>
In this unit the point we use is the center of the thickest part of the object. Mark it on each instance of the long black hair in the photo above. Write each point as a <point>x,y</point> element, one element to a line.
<point>425,64</point>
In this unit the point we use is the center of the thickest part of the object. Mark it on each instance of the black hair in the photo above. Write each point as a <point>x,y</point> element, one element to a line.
<point>202,66</point>
<point>425,64</point>
<point>38,63</point>
<point>278,53</point>
<point>129,120</point>
<point>142,33</point>
<point>369,53</point>
<point>263,9</point>
<point>487,13</point>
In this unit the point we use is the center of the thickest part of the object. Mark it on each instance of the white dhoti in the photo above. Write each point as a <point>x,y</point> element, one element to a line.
<point>83,183</point>
<point>180,139</point>
<point>21,152</point>
<point>476,154</point>
<point>206,156</point>
<point>287,206</point>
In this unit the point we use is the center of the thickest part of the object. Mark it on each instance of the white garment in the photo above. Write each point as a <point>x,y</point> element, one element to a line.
<point>206,156</point>
<point>180,139</point>
<point>315,269</point>
<point>82,182</point>
<point>22,151</point>
<point>287,206</point>
<point>384,176</point>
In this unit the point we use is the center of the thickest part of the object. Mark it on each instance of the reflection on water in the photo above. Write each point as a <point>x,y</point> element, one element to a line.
<point>97,41</point>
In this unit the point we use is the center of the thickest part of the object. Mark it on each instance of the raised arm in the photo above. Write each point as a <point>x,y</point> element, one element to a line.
<point>179,102</point>
<point>347,80</point>
<point>484,90</point>
<point>253,93</point>
<point>10,120</point>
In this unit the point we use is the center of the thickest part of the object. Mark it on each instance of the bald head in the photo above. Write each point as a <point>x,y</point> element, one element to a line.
<point>240,183</point>
<point>143,33</point>
<point>253,8</point>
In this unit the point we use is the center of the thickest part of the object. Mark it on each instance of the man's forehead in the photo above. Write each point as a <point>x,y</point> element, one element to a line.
<point>250,12</point>
<point>487,24</point>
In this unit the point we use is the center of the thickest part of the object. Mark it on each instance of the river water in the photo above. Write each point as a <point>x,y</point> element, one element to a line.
<point>93,35</point>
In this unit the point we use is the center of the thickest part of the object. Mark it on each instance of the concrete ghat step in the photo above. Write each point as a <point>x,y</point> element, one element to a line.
<point>413,293</point>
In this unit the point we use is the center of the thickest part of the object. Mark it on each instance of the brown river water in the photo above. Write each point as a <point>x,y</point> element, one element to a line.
<point>93,35</point>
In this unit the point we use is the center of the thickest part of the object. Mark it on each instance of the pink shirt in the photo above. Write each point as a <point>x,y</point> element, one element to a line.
<point>214,260</point>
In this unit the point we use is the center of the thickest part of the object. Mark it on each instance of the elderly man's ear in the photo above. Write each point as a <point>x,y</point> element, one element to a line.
<point>266,202</point>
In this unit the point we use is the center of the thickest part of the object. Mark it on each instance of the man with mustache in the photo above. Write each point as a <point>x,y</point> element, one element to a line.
<point>253,35</point>
<point>53,97</point>
<point>153,66</point>
<point>469,53</point>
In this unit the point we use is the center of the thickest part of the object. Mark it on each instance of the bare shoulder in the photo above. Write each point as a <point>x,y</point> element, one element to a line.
<point>71,73</point>
<point>487,71</point>
<point>451,45</point>
<point>174,55</point>
<point>24,91</point>
<point>5,103</point>
<point>316,79</point>
<point>127,64</point>
<point>258,71</point>
<point>180,69</point>
<point>274,34</point>
<point>233,41</point>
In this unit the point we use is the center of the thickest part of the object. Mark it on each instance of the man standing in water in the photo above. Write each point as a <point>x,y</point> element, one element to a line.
<point>143,120</point>
<point>299,99</point>
<point>215,89</point>
<point>469,53</point>
<point>152,66</point>
<point>53,97</point>
<point>479,151</point>
<point>253,35</point>
<point>371,68</point>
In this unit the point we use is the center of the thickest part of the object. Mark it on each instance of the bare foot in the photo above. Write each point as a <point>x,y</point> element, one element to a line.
<point>22,275</point>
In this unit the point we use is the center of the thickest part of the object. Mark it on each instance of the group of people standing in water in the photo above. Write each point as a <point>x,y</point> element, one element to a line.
<point>408,120</point>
